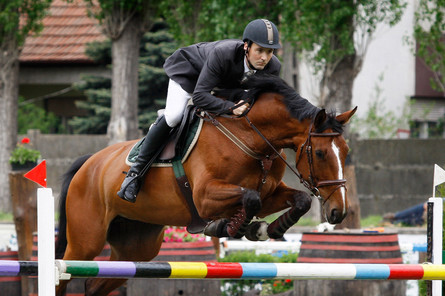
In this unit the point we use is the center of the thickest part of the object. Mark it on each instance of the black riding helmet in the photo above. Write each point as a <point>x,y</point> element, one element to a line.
<point>262,32</point>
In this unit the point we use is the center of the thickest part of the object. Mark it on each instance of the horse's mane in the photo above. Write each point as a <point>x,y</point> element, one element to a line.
<point>298,107</point>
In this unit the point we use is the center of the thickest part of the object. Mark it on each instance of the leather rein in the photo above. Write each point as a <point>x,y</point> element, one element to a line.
<point>267,160</point>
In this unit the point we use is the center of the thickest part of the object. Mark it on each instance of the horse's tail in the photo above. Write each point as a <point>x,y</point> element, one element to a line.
<point>61,242</point>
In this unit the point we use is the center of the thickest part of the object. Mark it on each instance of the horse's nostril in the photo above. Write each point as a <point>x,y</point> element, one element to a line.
<point>334,215</point>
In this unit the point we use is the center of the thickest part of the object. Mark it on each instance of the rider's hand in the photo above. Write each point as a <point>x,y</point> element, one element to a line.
<point>238,111</point>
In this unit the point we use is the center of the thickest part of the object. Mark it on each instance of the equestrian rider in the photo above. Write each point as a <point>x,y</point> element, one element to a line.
<point>194,71</point>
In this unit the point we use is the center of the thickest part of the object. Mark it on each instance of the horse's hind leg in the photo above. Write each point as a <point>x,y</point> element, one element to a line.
<point>130,241</point>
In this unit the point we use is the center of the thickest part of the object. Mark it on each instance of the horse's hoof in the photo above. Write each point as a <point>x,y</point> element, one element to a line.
<point>257,231</point>
<point>216,228</point>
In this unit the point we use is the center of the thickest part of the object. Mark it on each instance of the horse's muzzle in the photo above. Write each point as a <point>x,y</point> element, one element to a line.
<point>335,216</point>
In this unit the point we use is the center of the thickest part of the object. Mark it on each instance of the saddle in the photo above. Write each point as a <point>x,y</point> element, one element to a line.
<point>180,142</point>
<point>179,145</point>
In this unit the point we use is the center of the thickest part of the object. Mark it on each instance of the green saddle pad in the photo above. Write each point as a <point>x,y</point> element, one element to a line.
<point>190,141</point>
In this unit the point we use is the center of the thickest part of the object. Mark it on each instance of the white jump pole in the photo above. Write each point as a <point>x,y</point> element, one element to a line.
<point>439,178</point>
<point>437,240</point>
<point>46,249</point>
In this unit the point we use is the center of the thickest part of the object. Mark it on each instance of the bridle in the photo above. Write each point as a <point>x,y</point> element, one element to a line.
<point>311,183</point>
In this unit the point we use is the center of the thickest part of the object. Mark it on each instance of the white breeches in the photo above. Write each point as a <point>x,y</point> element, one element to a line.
<point>177,100</point>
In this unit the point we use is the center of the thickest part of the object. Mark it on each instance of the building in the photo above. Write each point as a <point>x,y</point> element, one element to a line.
<point>51,62</point>
<point>402,79</point>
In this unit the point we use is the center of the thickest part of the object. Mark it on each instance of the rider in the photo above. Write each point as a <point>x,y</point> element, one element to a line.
<point>194,71</point>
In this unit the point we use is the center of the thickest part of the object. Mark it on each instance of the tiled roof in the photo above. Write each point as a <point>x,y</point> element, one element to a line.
<point>67,30</point>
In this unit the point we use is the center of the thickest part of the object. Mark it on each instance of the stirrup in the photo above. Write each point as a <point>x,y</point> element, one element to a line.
<point>130,180</point>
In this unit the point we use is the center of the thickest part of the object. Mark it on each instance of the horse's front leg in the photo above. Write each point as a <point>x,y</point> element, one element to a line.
<point>283,197</point>
<point>299,202</point>
<point>237,225</point>
<point>226,196</point>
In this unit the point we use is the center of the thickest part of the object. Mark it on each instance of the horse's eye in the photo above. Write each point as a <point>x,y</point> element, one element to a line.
<point>319,154</point>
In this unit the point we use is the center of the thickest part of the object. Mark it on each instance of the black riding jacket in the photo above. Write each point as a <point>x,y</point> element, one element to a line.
<point>201,67</point>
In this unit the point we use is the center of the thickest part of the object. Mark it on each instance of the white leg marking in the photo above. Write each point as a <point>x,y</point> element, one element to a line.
<point>262,231</point>
<point>340,174</point>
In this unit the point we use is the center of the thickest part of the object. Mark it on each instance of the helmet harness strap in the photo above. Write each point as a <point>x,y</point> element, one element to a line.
<point>246,53</point>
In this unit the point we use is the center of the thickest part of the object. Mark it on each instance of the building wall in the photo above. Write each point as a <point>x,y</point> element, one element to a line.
<point>390,57</point>
<point>395,174</point>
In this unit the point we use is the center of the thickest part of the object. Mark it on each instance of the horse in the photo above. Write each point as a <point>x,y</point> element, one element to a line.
<point>234,172</point>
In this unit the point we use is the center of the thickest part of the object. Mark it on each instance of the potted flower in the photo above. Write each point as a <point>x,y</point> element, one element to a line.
<point>180,234</point>
<point>23,156</point>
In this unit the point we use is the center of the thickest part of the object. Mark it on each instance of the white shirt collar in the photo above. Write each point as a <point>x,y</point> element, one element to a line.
<point>246,67</point>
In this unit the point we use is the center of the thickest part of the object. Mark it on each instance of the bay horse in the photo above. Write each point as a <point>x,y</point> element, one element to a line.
<point>234,177</point>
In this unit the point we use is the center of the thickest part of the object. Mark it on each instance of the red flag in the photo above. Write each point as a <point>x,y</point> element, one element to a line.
<point>38,174</point>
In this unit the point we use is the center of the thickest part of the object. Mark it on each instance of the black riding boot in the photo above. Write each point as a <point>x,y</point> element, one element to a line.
<point>156,136</point>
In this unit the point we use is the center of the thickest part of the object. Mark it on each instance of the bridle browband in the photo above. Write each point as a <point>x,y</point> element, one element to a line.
<point>310,184</point>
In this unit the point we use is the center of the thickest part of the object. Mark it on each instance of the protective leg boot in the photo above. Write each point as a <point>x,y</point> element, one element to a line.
<point>156,136</point>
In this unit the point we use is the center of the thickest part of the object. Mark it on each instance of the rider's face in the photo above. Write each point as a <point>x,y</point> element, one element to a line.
<point>258,56</point>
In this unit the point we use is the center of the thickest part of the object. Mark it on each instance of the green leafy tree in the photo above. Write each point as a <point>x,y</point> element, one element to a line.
<point>155,47</point>
<point>31,116</point>
<point>429,33</point>
<point>18,19</point>
<point>209,20</point>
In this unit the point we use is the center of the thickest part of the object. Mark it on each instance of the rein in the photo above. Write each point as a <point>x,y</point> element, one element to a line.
<point>266,161</point>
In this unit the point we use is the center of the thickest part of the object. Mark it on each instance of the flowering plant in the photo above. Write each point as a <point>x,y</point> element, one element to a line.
<point>180,234</point>
<point>23,153</point>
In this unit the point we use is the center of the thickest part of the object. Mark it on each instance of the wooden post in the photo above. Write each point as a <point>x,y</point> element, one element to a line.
<point>24,208</point>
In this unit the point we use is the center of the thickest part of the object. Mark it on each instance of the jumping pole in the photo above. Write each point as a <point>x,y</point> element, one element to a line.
<point>45,247</point>
<point>435,227</point>
<point>230,270</point>
<point>45,230</point>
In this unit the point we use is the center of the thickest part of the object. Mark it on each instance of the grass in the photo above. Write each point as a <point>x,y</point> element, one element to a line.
<point>371,221</point>
<point>9,218</point>
<point>6,217</point>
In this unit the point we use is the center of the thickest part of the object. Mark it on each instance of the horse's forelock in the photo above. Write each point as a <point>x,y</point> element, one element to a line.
<point>330,123</point>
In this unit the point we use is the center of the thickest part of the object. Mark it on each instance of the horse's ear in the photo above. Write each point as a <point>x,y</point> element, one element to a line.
<point>320,118</point>
<point>344,117</point>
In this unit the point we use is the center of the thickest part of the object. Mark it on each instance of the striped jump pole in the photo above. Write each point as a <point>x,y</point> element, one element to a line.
<point>217,270</point>
<point>202,270</point>
<point>18,268</point>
